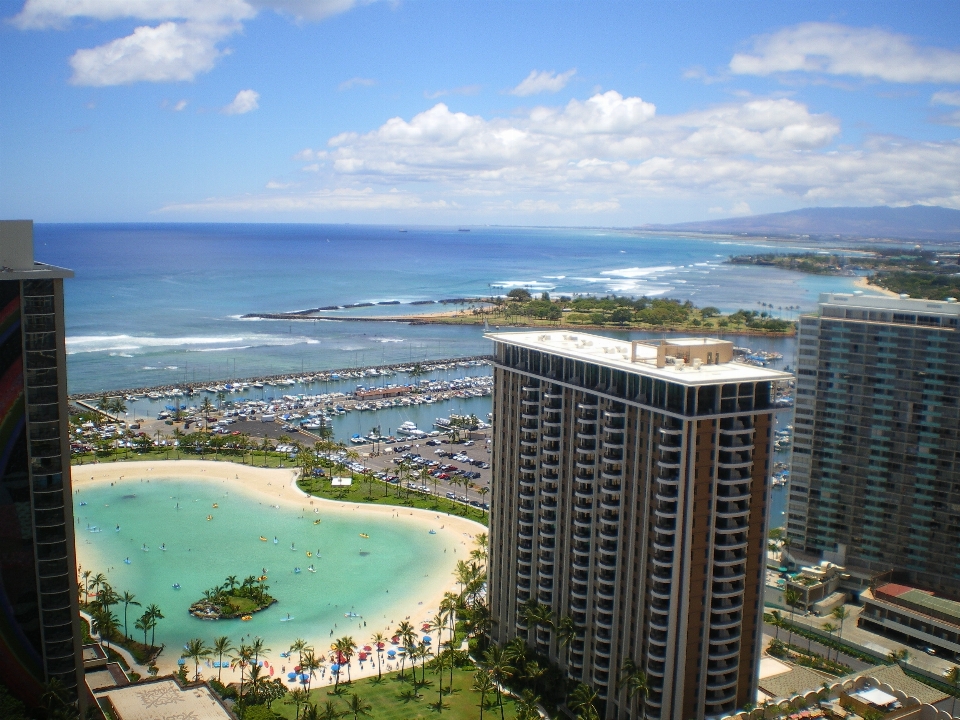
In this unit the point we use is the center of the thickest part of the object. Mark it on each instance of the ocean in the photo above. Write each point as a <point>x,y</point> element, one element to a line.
<point>158,304</point>
<point>161,304</point>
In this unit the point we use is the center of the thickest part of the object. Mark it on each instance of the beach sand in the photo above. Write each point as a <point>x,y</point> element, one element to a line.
<point>862,283</point>
<point>280,487</point>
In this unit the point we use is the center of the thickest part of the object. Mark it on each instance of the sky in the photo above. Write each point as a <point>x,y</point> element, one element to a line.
<point>459,112</point>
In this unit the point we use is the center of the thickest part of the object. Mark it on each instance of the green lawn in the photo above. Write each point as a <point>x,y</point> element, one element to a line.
<point>375,491</point>
<point>380,493</point>
<point>392,698</point>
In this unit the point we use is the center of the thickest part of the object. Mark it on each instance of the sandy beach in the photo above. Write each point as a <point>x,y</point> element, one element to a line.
<point>862,283</point>
<point>279,487</point>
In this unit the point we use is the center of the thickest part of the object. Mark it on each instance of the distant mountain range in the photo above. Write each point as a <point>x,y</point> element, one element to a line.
<point>916,222</point>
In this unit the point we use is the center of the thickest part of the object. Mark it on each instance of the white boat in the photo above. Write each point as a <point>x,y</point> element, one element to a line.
<point>410,429</point>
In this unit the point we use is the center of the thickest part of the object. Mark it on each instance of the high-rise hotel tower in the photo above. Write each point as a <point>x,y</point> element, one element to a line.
<point>39,619</point>
<point>875,481</point>
<point>630,491</point>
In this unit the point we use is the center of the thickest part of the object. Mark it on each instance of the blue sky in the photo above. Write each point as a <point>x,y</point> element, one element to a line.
<point>534,113</point>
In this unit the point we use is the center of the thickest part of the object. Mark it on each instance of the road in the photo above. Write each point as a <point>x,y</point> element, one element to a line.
<point>813,645</point>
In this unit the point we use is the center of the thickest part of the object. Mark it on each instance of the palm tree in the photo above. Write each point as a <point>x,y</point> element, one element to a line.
<point>266,445</point>
<point>127,599</point>
<point>840,614</point>
<point>86,583</point>
<point>791,597</point>
<point>423,652</point>
<point>221,646</point>
<point>358,707</point>
<point>143,623</point>
<point>566,631</point>
<point>527,706</point>
<point>633,679</point>
<point>438,624</point>
<point>406,634</point>
<point>498,665</point>
<point>483,685</point>
<point>777,622</point>
<point>899,656</point>
<point>378,642</point>
<point>256,681</point>
<point>952,677</point>
<point>297,697</point>
<point>196,650</point>
<point>154,612</point>
<point>582,701</point>
<point>104,623</point>
<point>299,645</point>
<point>240,660</point>
<point>258,648</point>
<point>231,583</point>
<point>206,407</point>
<point>439,665</point>
<point>829,628</point>
<point>329,712</point>
<point>346,647</point>
<point>308,665</point>
<point>96,582</point>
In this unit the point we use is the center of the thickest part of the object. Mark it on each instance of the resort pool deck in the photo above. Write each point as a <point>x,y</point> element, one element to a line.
<point>399,572</point>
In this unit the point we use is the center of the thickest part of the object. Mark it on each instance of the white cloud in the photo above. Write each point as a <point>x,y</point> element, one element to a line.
<point>169,52</point>
<point>611,155</point>
<point>946,98</point>
<point>356,82</point>
<point>38,14</point>
<point>182,104</point>
<point>462,90</point>
<point>836,49</point>
<point>245,101</point>
<point>364,199</point>
<point>310,9</point>
<point>274,185</point>
<point>539,81</point>
<point>177,49</point>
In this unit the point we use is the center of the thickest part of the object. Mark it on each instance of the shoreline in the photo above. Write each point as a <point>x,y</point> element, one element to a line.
<point>279,486</point>
<point>863,284</point>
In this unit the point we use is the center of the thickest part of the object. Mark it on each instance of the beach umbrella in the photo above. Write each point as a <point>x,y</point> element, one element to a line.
<point>427,640</point>
<point>181,661</point>
<point>362,656</point>
<point>335,668</point>
<point>291,676</point>
<point>296,668</point>
<point>391,653</point>
<point>367,648</point>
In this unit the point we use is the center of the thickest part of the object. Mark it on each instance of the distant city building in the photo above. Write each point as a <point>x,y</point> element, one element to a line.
<point>875,480</point>
<point>39,615</point>
<point>630,492</point>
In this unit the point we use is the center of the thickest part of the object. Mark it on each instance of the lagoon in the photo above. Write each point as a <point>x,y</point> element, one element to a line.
<point>382,578</point>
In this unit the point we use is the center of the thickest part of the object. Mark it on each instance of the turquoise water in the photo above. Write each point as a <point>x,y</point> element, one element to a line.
<point>371,576</point>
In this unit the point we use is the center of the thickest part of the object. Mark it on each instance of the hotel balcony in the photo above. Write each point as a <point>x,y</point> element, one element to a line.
<point>732,493</point>
<point>724,651</point>
<point>729,623</point>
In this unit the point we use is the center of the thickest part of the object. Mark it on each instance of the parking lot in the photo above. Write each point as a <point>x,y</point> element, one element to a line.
<point>436,465</point>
